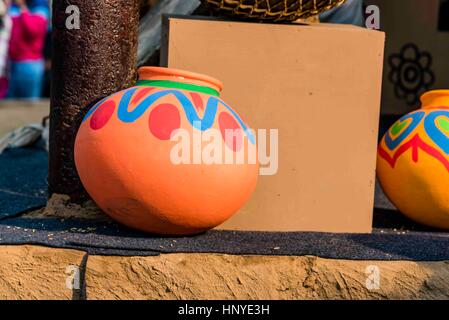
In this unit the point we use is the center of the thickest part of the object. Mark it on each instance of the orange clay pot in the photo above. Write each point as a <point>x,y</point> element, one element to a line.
<point>144,154</point>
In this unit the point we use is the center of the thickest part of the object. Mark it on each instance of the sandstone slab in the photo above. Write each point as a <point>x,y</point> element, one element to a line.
<point>32,272</point>
<point>211,276</point>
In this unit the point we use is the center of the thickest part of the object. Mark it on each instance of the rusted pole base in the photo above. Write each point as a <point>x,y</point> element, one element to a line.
<point>89,63</point>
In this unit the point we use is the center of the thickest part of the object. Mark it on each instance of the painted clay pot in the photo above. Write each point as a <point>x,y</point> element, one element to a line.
<point>155,158</point>
<point>413,162</point>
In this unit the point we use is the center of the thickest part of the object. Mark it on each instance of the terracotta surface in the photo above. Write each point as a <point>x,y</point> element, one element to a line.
<point>413,162</point>
<point>136,153</point>
<point>320,86</point>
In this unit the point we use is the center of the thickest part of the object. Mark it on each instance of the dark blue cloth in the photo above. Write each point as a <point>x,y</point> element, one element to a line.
<point>108,238</point>
<point>23,180</point>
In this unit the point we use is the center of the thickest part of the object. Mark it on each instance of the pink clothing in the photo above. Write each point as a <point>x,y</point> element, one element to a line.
<point>3,87</point>
<point>27,37</point>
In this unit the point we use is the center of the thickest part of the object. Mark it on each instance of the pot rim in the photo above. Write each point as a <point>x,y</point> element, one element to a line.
<point>438,97</point>
<point>153,73</point>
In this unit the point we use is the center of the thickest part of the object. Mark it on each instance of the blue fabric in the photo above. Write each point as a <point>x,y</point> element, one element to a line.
<point>14,10</point>
<point>38,7</point>
<point>351,12</point>
<point>43,3</point>
<point>26,80</point>
<point>41,10</point>
<point>23,180</point>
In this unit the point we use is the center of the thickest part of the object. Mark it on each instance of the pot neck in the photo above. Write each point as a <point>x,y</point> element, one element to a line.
<point>178,79</point>
<point>435,98</point>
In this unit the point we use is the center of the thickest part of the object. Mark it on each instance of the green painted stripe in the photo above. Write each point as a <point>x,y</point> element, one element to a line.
<point>398,127</point>
<point>444,124</point>
<point>178,85</point>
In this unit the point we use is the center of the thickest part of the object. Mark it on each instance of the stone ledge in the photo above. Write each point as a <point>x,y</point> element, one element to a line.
<point>34,272</point>
<point>211,276</point>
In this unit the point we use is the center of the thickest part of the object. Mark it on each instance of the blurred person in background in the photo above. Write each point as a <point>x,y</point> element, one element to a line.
<point>48,56</point>
<point>29,28</point>
<point>5,32</point>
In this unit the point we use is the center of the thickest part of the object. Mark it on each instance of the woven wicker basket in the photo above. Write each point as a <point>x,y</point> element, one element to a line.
<point>274,10</point>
